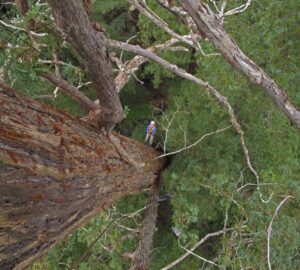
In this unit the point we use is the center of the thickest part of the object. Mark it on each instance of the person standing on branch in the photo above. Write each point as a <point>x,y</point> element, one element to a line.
<point>150,132</point>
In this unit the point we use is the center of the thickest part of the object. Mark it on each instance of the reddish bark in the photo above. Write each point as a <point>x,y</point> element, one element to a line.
<point>55,173</point>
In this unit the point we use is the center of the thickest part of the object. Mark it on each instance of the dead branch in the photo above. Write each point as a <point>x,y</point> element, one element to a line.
<point>270,230</point>
<point>195,143</point>
<point>209,24</point>
<point>190,251</point>
<point>71,91</point>
<point>181,14</point>
<point>161,24</point>
<point>22,29</point>
<point>220,99</point>
<point>129,67</point>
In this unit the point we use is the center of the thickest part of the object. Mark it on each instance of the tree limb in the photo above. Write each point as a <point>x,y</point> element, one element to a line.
<point>270,230</point>
<point>189,252</point>
<point>209,24</point>
<point>71,91</point>
<point>73,19</point>
<point>131,66</point>
<point>220,98</point>
<point>161,24</point>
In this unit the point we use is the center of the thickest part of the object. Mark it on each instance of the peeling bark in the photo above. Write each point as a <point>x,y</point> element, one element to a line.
<point>72,18</point>
<point>55,173</point>
<point>209,24</point>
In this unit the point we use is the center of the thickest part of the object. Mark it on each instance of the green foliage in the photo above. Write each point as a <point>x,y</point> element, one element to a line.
<point>203,180</point>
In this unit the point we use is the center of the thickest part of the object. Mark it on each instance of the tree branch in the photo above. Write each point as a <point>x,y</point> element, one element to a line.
<point>209,24</point>
<point>195,143</point>
<point>161,24</point>
<point>182,14</point>
<point>131,66</point>
<point>182,73</point>
<point>270,230</point>
<point>71,91</point>
<point>72,18</point>
<point>189,252</point>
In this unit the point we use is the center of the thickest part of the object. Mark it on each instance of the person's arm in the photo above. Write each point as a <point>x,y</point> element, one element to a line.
<point>147,129</point>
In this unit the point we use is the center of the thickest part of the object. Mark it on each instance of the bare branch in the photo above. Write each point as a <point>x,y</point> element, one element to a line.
<point>182,73</point>
<point>196,255</point>
<point>211,26</point>
<point>270,230</point>
<point>22,29</point>
<point>131,66</point>
<point>182,14</point>
<point>195,143</point>
<point>160,23</point>
<point>236,10</point>
<point>71,91</point>
<point>189,252</point>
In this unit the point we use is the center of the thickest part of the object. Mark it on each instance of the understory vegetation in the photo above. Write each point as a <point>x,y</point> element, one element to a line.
<point>208,187</point>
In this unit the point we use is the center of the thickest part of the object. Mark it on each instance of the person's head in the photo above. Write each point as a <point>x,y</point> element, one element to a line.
<point>152,123</point>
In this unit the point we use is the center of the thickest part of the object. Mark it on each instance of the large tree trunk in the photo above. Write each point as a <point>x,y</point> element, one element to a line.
<point>73,19</point>
<point>55,173</point>
<point>210,25</point>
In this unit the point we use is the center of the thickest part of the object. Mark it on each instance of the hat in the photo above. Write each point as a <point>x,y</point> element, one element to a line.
<point>152,122</point>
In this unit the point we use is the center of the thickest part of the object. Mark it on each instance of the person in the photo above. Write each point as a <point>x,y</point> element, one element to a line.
<point>150,132</point>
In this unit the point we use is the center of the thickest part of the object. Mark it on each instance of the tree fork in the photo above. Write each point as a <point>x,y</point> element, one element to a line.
<point>72,18</point>
<point>55,173</point>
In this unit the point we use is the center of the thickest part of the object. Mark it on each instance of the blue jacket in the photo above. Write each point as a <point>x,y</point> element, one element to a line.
<point>153,131</point>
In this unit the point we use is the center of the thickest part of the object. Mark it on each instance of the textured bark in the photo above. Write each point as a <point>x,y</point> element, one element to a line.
<point>209,24</point>
<point>55,173</point>
<point>22,6</point>
<point>141,258</point>
<point>72,18</point>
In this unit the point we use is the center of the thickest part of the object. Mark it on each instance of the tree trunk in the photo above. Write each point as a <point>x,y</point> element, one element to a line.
<point>141,258</point>
<point>209,24</point>
<point>22,6</point>
<point>73,19</point>
<point>55,173</point>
